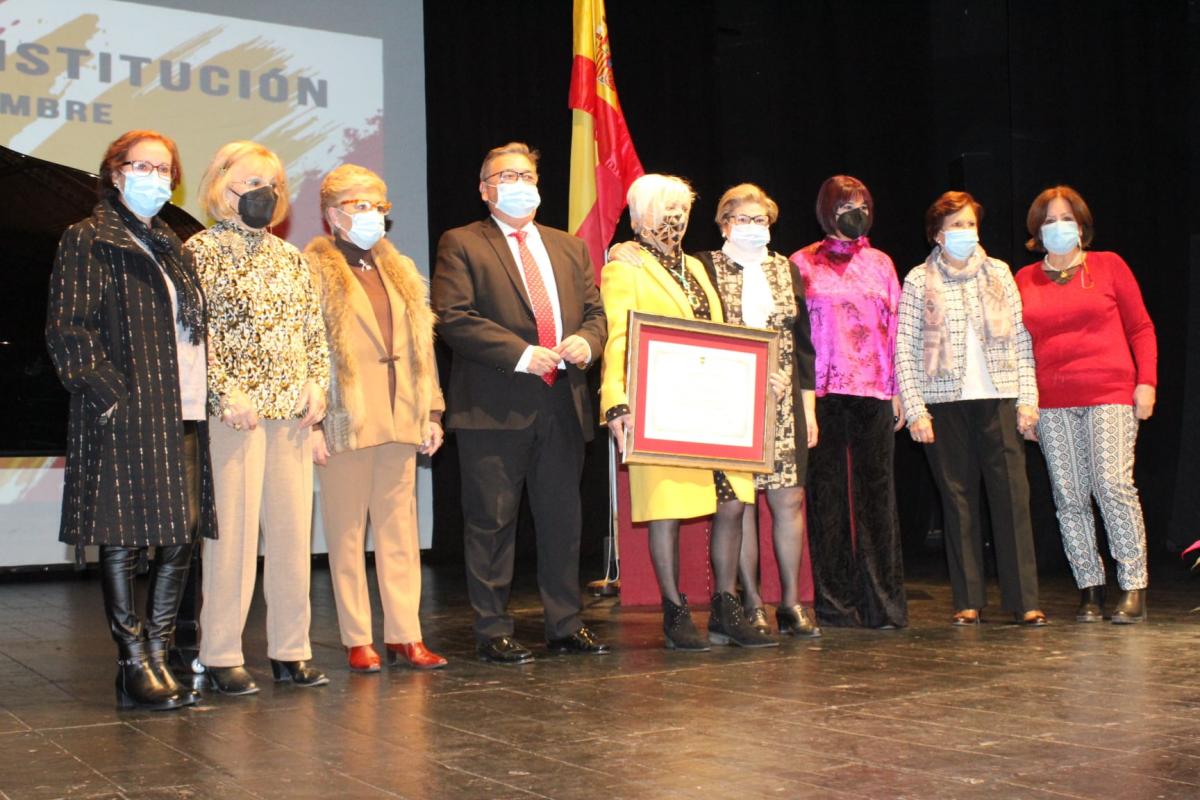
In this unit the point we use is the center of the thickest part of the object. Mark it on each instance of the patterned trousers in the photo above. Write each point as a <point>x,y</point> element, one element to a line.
<point>1089,452</point>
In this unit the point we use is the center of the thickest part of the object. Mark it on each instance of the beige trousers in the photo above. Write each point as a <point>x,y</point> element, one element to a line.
<point>379,482</point>
<point>261,477</point>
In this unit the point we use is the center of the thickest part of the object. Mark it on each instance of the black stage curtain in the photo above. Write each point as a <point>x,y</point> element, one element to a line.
<point>999,98</point>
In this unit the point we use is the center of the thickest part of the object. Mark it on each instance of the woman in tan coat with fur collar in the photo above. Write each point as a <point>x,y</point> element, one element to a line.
<point>385,407</point>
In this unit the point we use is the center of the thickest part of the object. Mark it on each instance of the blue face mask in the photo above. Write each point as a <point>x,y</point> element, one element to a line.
<point>366,229</point>
<point>518,199</point>
<point>961,242</point>
<point>145,195</point>
<point>751,237</point>
<point>1060,237</point>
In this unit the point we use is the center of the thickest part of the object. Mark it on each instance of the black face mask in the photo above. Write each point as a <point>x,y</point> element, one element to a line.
<point>853,223</point>
<point>257,207</point>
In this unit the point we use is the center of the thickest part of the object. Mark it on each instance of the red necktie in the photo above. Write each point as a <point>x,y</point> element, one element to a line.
<point>543,312</point>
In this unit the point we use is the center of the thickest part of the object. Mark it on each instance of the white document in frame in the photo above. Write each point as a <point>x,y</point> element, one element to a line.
<point>700,394</point>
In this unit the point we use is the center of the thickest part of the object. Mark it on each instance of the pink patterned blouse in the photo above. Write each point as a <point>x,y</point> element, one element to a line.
<point>852,293</point>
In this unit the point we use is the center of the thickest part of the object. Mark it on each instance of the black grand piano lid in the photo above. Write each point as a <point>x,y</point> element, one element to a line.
<point>40,200</point>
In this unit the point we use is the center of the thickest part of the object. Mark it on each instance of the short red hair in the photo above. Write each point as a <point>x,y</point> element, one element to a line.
<point>948,204</point>
<point>836,191</point>
<point>118,153</point>
<point>1036,217</point>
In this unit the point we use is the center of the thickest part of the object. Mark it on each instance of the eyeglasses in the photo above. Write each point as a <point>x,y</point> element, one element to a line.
<point>255,183</point>
<point>742,219</point>
<point>357,206</point>
<point>144,168</point>
<point>512,176</point>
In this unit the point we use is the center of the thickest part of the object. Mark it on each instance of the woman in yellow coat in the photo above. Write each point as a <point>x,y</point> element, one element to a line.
<point>667,282</point>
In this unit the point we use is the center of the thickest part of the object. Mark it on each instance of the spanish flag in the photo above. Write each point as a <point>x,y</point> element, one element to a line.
<point>603,162</point>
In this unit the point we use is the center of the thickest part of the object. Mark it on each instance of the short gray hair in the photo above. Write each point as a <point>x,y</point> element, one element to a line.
<point>512,148</point>
<point>651,195</point>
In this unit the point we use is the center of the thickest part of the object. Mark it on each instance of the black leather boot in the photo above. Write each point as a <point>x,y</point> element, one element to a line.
<point>168,577</point>
<point>1091,605</point>
<point>137,684</point>
<point>680,631</point>
<point>728,624</point>
<point>300,673</point>
<point>1131,608</point>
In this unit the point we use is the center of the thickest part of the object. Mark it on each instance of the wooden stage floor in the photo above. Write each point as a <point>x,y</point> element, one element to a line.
<point>1081,711</point>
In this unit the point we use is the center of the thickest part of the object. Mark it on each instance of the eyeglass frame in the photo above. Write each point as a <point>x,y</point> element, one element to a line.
<point>170,173</point>
<point>745,219</point>
<point>382,208</point>
<point>520,176</point>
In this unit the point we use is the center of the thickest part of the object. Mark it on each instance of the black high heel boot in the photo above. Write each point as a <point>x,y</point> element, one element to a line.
<point>1091,605</point>
<point>1131,608</point>
<point>678,628</point>
<point>728,625</point>
<point>137,684</point>
<point>168,577</point>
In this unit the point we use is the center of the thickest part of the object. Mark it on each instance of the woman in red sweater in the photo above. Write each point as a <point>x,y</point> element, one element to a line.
<point>1097,361</point>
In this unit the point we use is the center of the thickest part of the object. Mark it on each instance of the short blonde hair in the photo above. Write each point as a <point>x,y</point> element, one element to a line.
<point>650,196</point>
<point>216,180</point>
<point>346,177</point>
<point>745,193</point>
<point>512,148</point>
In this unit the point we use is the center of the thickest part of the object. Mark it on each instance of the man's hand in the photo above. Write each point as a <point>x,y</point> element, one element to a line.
<point>542,360</point>
<point>574,350</point>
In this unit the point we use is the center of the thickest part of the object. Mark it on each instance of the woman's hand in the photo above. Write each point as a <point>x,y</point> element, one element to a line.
<point>1027,417</point>
<point>621,427</point>
<point>434,440</point>
<point>311,403</point>
<point>897,414</point>
<point>779,382</point>
<point>921,430</point>
<point>238,412</point>
<point>626,252</point>
<point>1144,397</point>
<point>320,452</point>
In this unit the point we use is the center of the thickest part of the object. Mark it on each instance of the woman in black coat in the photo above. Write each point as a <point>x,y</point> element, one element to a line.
<point>125,328</point>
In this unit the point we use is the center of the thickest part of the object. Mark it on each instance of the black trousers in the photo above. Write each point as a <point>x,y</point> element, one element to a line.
<point>976,439</point>
<point>545,458</point>
<point>851,487</point>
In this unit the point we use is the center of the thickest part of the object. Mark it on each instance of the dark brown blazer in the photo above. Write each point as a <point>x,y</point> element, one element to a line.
<point>486,319</point>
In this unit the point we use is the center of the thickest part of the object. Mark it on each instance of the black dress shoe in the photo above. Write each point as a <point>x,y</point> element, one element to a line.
<point>1091,605</point>
<point>582,641</point>
<point>1131,608</point>
<point>503,650</point>
<point>230,680</point>
<point>298,672</point>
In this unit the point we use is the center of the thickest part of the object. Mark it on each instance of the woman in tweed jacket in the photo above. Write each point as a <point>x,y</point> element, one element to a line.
<point>964,362</point>
<point>125,329</point>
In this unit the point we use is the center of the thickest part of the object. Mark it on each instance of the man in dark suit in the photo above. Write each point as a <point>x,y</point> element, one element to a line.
<point>519,308</point>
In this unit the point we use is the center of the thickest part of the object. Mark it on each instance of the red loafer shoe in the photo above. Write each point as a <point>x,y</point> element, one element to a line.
<point>362,658</point>
<point>415,655</point>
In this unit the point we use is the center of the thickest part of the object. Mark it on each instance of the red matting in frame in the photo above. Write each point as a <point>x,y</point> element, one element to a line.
<point>752,457</point>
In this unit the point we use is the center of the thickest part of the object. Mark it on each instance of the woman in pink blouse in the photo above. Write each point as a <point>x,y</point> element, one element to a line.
<point>852,295</point>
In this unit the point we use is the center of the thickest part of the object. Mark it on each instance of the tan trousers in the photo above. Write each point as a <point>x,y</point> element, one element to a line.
<point>261,477</point>
<point>380,482</point>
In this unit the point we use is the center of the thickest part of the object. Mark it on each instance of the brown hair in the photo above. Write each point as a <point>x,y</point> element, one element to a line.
<point>512,148</point>
<point>745,193</point>
<point>118,153</point>
<point>1037,216</point>
<point>838,190</point>
<point>948,204</point>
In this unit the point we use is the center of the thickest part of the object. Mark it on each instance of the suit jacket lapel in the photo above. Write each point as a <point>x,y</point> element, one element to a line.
<point>495,237</point>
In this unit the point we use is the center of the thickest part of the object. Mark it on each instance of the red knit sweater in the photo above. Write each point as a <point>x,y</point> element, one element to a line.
<point>1092,338</point>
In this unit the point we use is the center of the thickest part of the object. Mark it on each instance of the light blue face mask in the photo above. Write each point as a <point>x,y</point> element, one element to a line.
<point>146,194</point>
<point>961,242</point>
<point>1060,237</point>
<point>366,229</point>
<point>751,237</point>
<point>518,199</point>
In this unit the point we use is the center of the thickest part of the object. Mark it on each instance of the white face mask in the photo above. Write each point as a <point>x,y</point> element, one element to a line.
<point>518,199</point>
<point>751,237</point>
<point>366,229</point>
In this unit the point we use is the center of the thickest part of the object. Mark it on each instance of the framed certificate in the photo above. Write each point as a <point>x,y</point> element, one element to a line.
<point>699,395</point>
